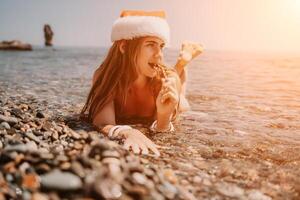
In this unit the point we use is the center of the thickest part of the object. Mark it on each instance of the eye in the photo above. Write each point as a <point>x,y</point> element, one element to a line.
<point>150,44</point>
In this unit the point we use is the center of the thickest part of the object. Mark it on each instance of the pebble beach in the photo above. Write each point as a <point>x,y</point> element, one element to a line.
<point>240,140</point>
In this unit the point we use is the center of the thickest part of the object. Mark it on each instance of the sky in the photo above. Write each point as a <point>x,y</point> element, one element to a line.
<point>236,25</point>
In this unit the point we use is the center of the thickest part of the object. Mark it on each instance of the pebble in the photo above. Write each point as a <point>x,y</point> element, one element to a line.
<point>39,196</point>
<point>139,178</point>
<point>10,120</point>
<point>40,114</point>
<point>57,149</point>
<point>4,125</point>
<point>65,166</point>
<point>111,161</point>
<point>78,169</point>
<point>21,148</point>
<point>257,195</point>
<point>170,176</point>
<point>110,153</point>
<point>74,135</point>
<point>24,167</point>
<point>197,179</point>
<point>168,190</point>
<point>31,182</point>
<point>30,135</point>
<point>59,180</point>
<point>230,190</point>
<point>38,162</point>
<point>55,135</point>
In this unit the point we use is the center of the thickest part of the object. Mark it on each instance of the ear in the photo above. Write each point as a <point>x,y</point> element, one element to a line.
<point>122,47</point>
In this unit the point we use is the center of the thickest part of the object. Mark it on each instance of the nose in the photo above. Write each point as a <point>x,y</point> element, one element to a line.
<point>158,54</point>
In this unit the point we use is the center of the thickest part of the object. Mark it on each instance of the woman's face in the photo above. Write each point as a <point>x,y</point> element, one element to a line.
<point>150,53</point>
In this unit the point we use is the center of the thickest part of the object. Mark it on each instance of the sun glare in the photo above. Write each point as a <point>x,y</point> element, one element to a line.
<point>294,7</point>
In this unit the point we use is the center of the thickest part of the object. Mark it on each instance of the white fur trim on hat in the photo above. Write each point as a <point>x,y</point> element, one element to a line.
<point>130,27</point>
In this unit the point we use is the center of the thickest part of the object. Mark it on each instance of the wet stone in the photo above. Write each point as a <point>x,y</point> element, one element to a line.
<point>31,181</point>
<point>24,167</point>
<point>24,107</point>
<point>230,190</point>
<point>74,134</point>
<point>168,190</point>
<point>42,168</point>
<point>108,189</point>
<point>78,146</point>
<point>65,165</point>
<point>78,169</point>
<point>255,194</point>
<point>30,135</point>
<point>62,158</point>
<point>10,120</point>
<point>29,147</point>
<point>170,176</point>
<point>110,153</point>
<point>61,180</point>
<point>98,148</point>
<point>57,149</point>
<point>197,179</point>
<point>111,161</point>
<point>4,125</point>
<point>55,135</point>
<point>39,196</point>
<point>47,126</point>
<point>83,134</point>
<point>139,178</point>
<point>40,114</point>
<point>111,172</point>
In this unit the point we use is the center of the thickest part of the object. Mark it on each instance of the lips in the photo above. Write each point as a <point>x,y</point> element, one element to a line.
<point>152,65</point>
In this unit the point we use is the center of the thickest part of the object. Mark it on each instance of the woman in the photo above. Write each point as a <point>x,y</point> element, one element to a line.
<point>133,83</point>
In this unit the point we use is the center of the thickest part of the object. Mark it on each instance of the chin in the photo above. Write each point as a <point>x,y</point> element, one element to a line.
<point>151,75</point>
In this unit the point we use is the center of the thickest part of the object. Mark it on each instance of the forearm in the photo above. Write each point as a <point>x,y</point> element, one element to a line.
<point>105,129</point>
<point>116,130</point>
<point>179,66</point>
<point>163,121</point>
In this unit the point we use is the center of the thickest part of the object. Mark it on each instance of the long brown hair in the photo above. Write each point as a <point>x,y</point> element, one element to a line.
<point>114,77</point>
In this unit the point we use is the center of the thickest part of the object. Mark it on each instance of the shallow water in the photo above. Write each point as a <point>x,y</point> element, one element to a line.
<point>244,127</point>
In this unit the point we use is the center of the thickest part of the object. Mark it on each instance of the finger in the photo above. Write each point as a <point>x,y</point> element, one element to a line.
<point>153,148</point>
<point>147,143</point>
<point>135,148</point>
<point>170,88</point>
<point>141,141</point>
<point>144,149</point>
<point>168,80</point>
<point>172,81</point>
<point>145,140</point>
<point>169,96</point>
<point>163,147</point>
<point>160,94</point>
<point>127,144</point>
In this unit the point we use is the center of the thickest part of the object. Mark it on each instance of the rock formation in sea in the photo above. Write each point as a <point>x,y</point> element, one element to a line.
<point>48,34</point>
<point>15,45</point>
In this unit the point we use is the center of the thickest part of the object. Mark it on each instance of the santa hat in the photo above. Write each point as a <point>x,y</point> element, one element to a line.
<point>133,24</point>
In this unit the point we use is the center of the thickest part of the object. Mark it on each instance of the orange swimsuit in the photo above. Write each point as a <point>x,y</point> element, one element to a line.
<point>140,107</point>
